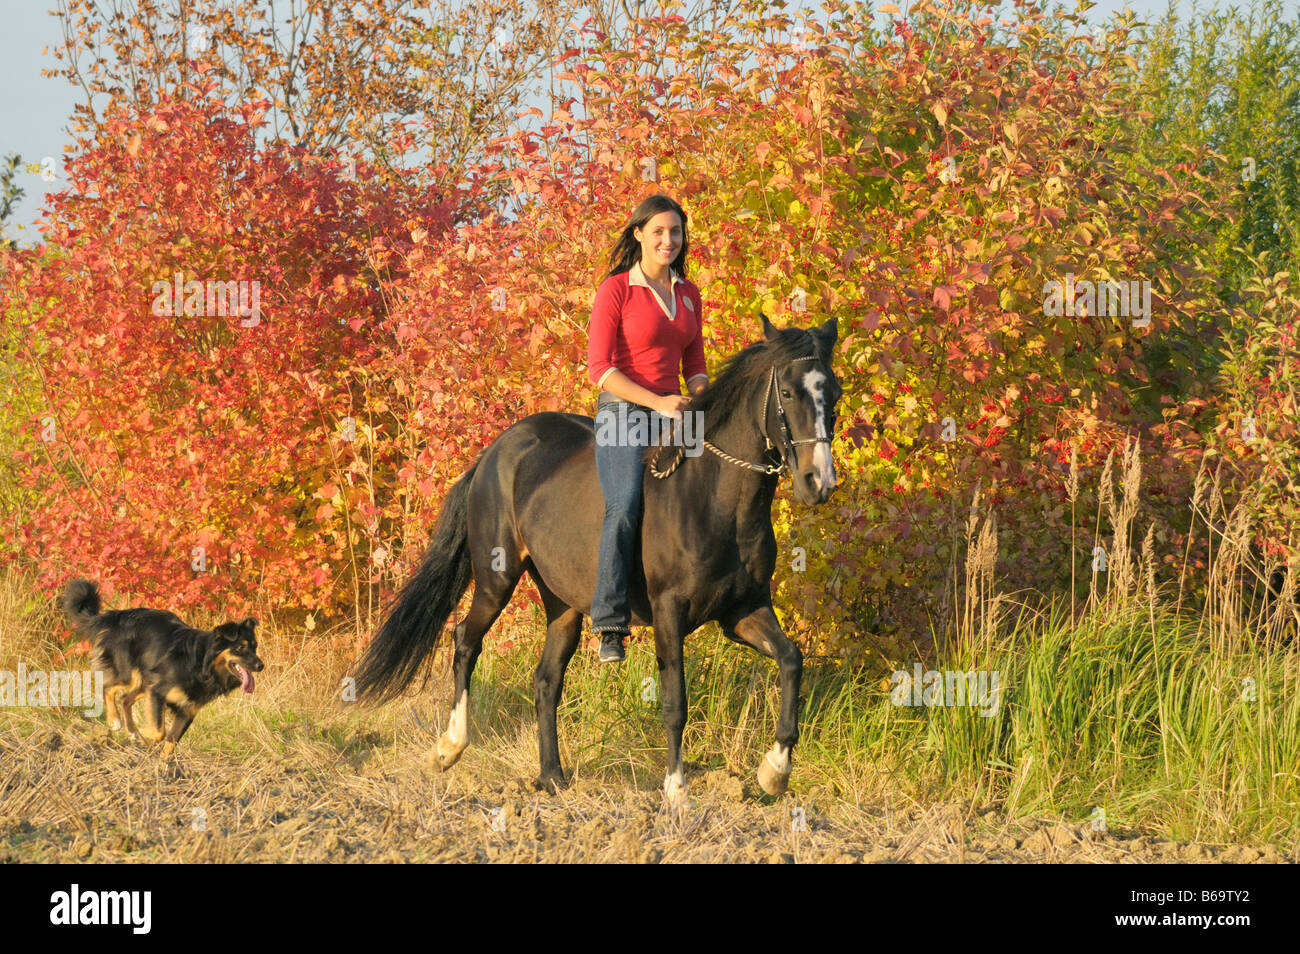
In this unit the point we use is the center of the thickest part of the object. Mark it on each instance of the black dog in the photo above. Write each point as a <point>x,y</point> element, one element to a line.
<point>154,654</point>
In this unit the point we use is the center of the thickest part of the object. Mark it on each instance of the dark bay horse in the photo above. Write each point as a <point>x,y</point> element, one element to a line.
<point>532,502</point>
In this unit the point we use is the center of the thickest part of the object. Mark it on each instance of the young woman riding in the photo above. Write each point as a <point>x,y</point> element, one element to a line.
<point>646,324</point>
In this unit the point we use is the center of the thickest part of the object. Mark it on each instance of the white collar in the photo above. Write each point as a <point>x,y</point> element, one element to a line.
<point>635,276</point>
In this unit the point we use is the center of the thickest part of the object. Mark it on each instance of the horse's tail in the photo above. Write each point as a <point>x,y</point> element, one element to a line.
<point>399,650</point>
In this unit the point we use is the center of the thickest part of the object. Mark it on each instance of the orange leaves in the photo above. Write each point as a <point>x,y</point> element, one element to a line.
<point>943,294</point>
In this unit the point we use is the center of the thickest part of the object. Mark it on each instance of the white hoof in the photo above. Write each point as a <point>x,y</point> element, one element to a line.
<point>675,788</point>
<point>446,754</point>
<point>453,742</point>
<point>774,770</point>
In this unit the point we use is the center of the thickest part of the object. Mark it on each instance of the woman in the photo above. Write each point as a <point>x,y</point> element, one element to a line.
<point>646,323</point>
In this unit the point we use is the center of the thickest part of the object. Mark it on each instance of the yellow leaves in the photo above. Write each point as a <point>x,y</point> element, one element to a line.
<point>940,113</point>
<point>1012,132</point>
<point>887,8</point>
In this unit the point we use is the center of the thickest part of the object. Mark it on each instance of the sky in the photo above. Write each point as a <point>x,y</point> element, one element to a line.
<point>34,111</point>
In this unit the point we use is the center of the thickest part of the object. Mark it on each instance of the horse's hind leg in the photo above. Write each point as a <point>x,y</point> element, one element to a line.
<point>563,632</point>
<point>492,592</point>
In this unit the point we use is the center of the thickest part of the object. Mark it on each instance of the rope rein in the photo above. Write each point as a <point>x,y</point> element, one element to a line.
<point>768,469</point>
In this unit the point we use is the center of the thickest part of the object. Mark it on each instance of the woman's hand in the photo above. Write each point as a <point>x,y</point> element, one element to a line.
<point>671,405</point>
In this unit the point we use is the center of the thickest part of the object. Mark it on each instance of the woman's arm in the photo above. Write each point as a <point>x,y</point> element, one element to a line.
<point>693,366</point>
<point>620,385</point>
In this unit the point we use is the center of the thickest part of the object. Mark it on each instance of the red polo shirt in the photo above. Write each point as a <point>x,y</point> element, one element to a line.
<point>632,332</point>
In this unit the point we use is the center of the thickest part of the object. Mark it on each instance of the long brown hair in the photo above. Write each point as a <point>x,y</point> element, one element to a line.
<point>628,250</point>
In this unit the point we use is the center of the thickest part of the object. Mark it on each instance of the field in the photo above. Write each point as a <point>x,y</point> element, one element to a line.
<point>293,773</point>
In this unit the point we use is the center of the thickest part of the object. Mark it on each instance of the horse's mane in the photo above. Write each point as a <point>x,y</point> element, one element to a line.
<point>744,371</point>
<point>741,375</point>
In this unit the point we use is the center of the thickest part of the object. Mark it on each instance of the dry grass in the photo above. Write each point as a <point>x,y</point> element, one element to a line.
<point>295,774</point>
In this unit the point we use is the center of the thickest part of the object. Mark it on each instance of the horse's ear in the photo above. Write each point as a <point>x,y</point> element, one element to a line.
<point>769,329</point>
<point>826,334</point>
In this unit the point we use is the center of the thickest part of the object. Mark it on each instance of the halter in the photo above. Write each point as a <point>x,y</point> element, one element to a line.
<point>767,469</point>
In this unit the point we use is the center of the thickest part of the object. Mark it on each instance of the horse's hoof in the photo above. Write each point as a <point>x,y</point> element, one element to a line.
<point>774,771</point>
<point>552,784</point>
<point>675,788</point>
<point>446,754</point>
<point>453,742</point>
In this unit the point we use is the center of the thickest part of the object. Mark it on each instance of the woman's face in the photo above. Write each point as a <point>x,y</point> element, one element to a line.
<point>661,239</point>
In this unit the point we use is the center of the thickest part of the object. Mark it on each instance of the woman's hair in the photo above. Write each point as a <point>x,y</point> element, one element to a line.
<point>628,250</point>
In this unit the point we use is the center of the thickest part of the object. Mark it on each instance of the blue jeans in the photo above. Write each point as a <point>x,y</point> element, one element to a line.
<point>620,469</point>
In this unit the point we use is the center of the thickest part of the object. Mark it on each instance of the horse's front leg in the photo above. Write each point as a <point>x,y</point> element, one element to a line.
<point>761,630</point>
<point>670,636</point>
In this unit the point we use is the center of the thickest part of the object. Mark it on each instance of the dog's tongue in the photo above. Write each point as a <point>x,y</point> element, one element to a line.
<point>245,679</point>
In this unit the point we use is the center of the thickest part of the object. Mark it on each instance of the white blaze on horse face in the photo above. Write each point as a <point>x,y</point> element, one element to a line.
<point>458,728</point>
<point>814,383</point>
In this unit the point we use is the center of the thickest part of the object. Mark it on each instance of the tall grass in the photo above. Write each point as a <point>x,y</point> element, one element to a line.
<point>1143,722</point>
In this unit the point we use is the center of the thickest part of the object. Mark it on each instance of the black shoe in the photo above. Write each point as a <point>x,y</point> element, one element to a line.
<point>611,646</point>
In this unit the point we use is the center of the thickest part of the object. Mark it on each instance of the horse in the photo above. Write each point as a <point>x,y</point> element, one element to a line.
<point>531,502</point>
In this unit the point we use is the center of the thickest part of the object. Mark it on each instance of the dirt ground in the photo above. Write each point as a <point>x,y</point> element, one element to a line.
<point>71,791</point>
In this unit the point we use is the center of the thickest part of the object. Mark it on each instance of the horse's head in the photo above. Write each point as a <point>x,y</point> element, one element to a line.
<point>801,399</point>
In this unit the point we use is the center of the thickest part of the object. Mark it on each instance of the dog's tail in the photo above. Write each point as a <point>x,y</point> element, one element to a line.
<point>400,649</point>
<point>80,601</point>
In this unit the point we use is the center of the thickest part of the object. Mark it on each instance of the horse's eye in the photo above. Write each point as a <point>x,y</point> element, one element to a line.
<point>785,394</point>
